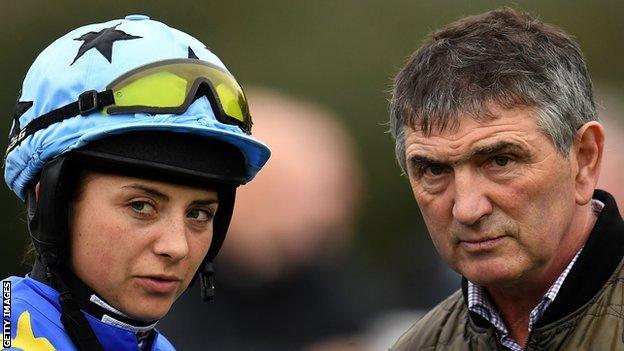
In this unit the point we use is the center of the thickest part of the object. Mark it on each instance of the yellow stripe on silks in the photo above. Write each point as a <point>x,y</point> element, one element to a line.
<point>25,338</point>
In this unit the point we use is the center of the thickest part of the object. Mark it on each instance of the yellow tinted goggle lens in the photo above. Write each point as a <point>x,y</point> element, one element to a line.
<point>231,102</point>
<point>168,86</point>
<point>160,89</point>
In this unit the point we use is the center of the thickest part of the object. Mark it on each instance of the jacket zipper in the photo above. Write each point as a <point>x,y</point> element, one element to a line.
<point>499,345</point>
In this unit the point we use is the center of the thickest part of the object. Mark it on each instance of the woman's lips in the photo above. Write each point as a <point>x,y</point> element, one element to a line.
<point>158,285</point>
<point>481,245</point>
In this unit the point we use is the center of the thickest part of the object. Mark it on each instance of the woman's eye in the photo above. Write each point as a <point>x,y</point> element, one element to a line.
<point>201,215</point>
<point>141,207</point>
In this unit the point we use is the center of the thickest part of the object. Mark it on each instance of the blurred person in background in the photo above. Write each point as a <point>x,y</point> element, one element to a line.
<point>281,276</point>
<point>496,128</point>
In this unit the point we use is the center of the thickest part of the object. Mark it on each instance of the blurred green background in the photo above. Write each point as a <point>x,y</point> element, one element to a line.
<point>342,54</point>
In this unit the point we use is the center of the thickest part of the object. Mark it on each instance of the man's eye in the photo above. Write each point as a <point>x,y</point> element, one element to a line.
<point>501,160</point>
<point>434,170</point>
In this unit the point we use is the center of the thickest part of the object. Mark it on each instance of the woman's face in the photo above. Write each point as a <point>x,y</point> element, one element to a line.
<point>138,242</point>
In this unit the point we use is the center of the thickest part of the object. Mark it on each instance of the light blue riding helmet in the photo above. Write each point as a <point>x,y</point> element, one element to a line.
<point>88,59</point>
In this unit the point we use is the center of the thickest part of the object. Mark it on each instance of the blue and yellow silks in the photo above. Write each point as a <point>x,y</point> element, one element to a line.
<point>36,323</point>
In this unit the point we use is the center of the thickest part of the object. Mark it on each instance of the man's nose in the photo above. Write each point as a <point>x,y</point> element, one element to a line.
<point>172,239</point>
<point>470,201</point>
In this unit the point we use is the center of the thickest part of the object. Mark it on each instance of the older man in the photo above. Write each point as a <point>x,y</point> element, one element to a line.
<point>496,128</point>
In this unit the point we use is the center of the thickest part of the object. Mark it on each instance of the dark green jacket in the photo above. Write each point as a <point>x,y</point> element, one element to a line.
<point>588,313</point>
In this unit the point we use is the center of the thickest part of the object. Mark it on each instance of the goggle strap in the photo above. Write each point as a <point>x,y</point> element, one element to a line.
<point>87,102</point>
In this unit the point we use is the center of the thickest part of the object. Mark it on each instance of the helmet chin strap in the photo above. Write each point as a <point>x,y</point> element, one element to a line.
<point>220,226</point>
<point>89,301</point>
<point>47,224</point>
<point>206,281</point>
<point>48,213</point>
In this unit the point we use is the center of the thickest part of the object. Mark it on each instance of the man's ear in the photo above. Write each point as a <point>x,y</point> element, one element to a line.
<point>588,148</point>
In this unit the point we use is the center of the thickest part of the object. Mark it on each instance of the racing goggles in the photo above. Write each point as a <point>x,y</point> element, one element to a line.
<point>162,87</point>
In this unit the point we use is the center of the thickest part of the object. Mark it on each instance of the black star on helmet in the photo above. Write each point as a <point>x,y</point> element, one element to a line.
<point>191,54</point>
<point>102,41</point>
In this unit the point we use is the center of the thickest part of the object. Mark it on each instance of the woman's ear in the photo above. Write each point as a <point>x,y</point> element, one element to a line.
<point>587,149</point>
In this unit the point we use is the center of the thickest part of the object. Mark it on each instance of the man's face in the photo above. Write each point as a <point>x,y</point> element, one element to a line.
<point>496,196</point>
<point>137,243</point>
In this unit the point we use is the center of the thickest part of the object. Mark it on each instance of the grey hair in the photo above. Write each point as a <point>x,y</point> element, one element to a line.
<point>501,57</point>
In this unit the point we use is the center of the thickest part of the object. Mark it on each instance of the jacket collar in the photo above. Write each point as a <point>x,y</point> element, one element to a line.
<point>91,303</point>
<point>600,257</point>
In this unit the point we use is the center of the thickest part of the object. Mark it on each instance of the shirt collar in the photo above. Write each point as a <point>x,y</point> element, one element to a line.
<point>480,303</point>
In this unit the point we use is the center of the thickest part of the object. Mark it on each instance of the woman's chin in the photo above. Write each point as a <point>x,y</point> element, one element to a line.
<point>147,312</point>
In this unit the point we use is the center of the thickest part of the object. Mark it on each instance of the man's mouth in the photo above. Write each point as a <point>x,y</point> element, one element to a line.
<point>481,244</point>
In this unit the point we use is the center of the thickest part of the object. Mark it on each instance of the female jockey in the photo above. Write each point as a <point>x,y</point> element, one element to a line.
<point>128,142</point>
